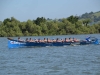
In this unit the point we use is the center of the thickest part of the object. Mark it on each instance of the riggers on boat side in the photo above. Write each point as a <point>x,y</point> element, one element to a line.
<point>20,43</point>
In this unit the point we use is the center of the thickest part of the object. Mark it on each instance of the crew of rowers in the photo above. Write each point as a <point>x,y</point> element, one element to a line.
<point>48,40</point>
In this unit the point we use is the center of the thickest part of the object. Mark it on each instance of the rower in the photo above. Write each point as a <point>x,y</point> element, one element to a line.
<point>20,39</point>
<point>88,39</point>
<point>31,40</point>
<point>27,40</point>
<point>39,40</point>
<point>57,40</point>
<point>45,40</point>
<point>36,40</point>
<point>48,40</point>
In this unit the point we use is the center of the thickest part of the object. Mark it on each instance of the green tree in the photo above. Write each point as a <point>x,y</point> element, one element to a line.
<point>22,27</point>
<point>97,27</point>
<point>72,19</point>
<point>38,30</point>
<point>29,26</point>
<point>44,29</point>
<point>86,22</point>
<point>1,22</point>
<point>2,33</point>
<point>6,20</point>
<point>39,20</point>
<point>78,25</point>
<point>68,26</point>
<point>62,32</point>
<point>52,28</point>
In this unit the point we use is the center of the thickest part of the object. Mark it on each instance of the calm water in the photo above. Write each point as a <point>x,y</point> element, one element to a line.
<point>69,60</point>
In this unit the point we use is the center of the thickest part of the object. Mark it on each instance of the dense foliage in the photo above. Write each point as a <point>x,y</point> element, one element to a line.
<point>42,26</point>
<point>94,17</point>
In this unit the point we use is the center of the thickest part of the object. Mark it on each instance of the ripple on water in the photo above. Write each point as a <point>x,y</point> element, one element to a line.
<point>69,60</point>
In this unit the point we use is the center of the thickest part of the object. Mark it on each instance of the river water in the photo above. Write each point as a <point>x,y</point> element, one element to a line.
<point>69,60</point>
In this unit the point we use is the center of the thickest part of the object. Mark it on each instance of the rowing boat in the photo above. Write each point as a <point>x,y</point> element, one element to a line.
<point>17,44</point>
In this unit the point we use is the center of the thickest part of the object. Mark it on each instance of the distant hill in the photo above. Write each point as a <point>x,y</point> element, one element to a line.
<point>93,16</point>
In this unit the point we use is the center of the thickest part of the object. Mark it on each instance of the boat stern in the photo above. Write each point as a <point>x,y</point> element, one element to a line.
<point>15,44</point>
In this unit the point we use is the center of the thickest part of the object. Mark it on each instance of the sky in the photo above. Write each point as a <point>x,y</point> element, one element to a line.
<point>23,10</point>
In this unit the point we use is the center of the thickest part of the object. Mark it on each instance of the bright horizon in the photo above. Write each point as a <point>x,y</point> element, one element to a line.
<point>23,10</point>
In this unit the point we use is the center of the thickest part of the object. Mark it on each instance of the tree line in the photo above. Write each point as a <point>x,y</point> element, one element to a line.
<point>42,26</point>
<point>93,16</point>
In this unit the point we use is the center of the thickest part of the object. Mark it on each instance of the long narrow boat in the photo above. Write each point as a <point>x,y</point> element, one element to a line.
<point>17,44</point>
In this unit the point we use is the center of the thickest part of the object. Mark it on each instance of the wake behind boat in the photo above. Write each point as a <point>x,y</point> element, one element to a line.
<point>47,42</point>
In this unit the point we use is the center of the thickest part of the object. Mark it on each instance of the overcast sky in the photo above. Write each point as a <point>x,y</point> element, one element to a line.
<point>54,9</point>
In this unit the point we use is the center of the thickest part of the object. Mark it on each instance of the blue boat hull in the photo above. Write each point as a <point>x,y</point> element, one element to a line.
<point>96,42</point>
<point>18,44</point>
